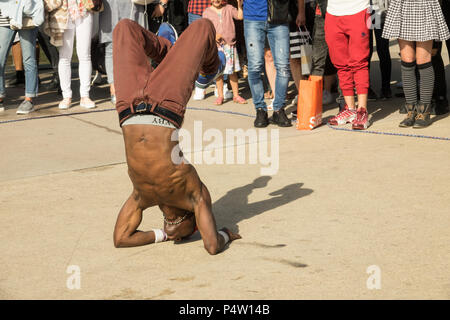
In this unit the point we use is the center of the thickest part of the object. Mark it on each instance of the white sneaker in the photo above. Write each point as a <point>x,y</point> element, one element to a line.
<point>64,104</point>
<point>227,94</point>
<point>87,103</point>
<point>199,94</point>
<point>327,97</point>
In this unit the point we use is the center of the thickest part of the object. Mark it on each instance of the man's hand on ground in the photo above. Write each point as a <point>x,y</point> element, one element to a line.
<point>233,236</point>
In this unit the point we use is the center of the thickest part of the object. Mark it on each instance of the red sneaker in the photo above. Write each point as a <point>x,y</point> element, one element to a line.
<point>346,115</point>
<point>362,120</point>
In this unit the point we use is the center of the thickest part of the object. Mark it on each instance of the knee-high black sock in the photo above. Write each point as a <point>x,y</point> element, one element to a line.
<point>409,81</point>
<point>426,82</point>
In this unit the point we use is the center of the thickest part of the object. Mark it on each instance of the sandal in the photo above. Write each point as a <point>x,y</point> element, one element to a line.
<point>219,101</point>
<point>240,100</point>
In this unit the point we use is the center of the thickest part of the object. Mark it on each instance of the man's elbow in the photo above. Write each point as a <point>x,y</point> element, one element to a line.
<point>118,242</point>
<point>212,249</point>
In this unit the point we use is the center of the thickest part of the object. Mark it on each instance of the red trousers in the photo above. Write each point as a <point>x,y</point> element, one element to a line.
<point>348,43</point>
<point>170,85</point>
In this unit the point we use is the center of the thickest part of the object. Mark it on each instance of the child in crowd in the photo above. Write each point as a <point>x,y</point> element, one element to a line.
<point>222,15</point>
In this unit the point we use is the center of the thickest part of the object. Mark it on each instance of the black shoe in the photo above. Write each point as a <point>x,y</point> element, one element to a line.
<point>262,119</point>
<point>439,106</point>
<point>53,84</point>
<point>18,80</point>
<point>386,93</point>
<point>422,119</point>
<point>410,118</point>
<point>372,96</point>
<point>279,118</point>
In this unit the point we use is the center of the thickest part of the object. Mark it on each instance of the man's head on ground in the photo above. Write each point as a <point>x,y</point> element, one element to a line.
<point>180,228</point>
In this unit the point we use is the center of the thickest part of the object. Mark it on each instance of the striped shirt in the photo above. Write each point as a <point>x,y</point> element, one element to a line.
<point>198,6</point>
<point>4,21</point>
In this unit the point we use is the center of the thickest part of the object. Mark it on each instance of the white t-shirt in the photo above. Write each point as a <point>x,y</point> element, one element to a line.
<point>346,7</point>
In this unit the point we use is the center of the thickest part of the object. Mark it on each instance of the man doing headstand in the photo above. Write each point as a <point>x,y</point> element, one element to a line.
<point>151,104</point>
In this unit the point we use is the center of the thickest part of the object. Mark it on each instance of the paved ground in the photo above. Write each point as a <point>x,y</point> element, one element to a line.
<point>340,203</point>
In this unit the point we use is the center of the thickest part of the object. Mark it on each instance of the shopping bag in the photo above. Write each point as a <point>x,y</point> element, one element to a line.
<point>305,51</point>
<point>309,108</point>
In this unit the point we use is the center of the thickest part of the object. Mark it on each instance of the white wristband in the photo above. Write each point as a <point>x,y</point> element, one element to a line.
<point>225,236</point>
<point>160,235</point>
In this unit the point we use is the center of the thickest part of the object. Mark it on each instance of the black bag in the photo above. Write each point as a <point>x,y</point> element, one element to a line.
<point>278,11</point>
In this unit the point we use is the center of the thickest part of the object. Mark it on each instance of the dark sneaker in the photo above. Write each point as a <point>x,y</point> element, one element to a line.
<point>410,118</point>
<point>262,119</point>
<point>204,80</point>
<point>18,80</point>
<point>280,119</point>
<point>386,93</point>
<point>361,121</point>
<point>166,30</point>
<point>11,83</point>
<point>25,107</point>
<point>439,106</point>
<point>372,96</point>
<point>422,119</point>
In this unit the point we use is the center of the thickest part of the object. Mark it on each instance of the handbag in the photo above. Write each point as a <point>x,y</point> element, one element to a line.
<point>309,107</point>
<point>306,51</point>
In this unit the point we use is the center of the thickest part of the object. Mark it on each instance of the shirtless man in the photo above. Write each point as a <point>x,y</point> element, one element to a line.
<point>151,105</point>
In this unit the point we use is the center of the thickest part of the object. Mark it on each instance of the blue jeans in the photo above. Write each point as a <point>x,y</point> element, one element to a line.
<point>109,62</point>
<point>192,17</point>
<point>278,35</point>
<point>28,44</point>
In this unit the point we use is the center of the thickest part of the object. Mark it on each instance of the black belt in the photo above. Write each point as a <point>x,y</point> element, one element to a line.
<point>144,108</point>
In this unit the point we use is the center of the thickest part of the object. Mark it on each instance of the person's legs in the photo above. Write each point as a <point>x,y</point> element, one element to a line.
<point>16,52</point>
<point>64,65</point>
<point>83,31</point>
<point>425,67</point>
<point>278,36</point>
<point>110,70</point>
<point>385,62</point>
<point>6,38</point>
<point>219,85</point>
<point>269,66</point>
<point>408,68</point>
<point>170,85</point>
<point>296,71</point>
<point>338,44</point>
<point>255,33</point>
<point>320,48</point>
<point>28,39</point>
<point>440,105</point>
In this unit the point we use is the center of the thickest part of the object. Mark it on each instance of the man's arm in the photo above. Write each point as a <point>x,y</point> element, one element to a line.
<point>129,219</point>
<point>213,241</point>
<point>301,16</point>
<point>240,14</point>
